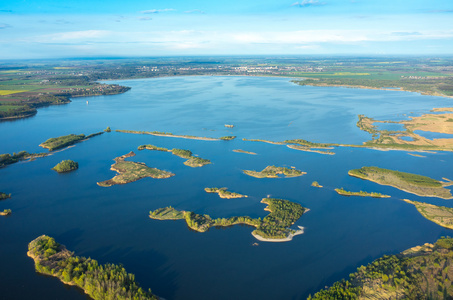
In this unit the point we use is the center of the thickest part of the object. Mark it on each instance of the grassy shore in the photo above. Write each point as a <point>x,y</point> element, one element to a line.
<point>192,161</point>
<point>343,192</point>
<point>66,140</point>
<point>440,215</point>
<point>408,182</point>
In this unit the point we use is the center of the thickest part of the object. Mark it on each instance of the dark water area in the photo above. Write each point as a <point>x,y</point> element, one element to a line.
<point>112,224</point>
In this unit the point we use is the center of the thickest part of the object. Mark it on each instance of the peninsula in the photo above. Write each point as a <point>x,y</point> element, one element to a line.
<point>192,161</point>
<point>66,166</point>
<point>272,228</point>
<point>411,183</point>
<point>273,172</point>
<point>129,171</point>
<point>66,140</point>
<point>223,193</point>
<point>413,274</point>
<point>343,192</point>
<point>108,281</point>
<point>440,215</point>
<point>8,159</point>
<point>169,134</point>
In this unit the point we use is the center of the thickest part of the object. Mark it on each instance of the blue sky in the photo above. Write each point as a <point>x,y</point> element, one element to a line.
<point>92,28</point>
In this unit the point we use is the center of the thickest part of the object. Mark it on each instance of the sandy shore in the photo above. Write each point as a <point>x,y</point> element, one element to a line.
<point>287,239</point>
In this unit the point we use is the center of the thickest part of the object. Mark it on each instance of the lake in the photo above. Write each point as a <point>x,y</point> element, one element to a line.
<point>112,224</point>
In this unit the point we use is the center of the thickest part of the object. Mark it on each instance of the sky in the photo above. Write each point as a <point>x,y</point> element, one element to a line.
<point>31,29</point>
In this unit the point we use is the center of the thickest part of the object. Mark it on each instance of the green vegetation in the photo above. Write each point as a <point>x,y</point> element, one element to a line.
<point>66,166</point>
<point>309,144</point>
<point>4,196</point>
<point>411,183</point>
<point>243,151</point>
<point>100,282</point>
<point>129,171</point>
<point>274,226</point>
<point>152,147</point>
<point>228,138</point>
<point>192,161</point>
<point>5,212</point>
<point>421,272</point>
<point>361,194</point>
<point>7,159</point>
<point>440,215</point>
<point>316,184</point>
<point>273,172</point>
<point>62,141</point>
<point>223,193</point>
<point>108,129</point>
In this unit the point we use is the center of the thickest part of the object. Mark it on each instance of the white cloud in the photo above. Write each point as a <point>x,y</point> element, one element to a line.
<point>73,35</point>
<point>194,11</point>
<point>308,3</point>
<point>156,11</point>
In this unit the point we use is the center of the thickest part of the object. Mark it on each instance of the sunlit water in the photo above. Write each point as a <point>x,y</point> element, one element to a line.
<point>112,224</point>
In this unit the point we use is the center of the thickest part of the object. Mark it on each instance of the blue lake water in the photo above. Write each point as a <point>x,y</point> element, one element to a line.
<point>433,135</point>
<point>112,224</point>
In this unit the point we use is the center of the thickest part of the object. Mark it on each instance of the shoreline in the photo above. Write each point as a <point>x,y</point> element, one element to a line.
<point>287,239</point>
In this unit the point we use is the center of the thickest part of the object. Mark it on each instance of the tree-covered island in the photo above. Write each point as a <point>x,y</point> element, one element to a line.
<point>4,196</point>
<point>223,193</point>
<point>408,182</point>
<point>343,192</point>
<point>100,282</point>
<point>272,228</point>
<point>66,140</point>
<point>420,273</point>
<point>8,159</point>
<point>316,184</point>
<point>129,171</point>
<point>273,172</point>
<point>192,161</point>
<point>5,212</point>
<point>66,166</point>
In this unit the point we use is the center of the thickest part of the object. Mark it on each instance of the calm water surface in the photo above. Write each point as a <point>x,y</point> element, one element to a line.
<point>112,224</point>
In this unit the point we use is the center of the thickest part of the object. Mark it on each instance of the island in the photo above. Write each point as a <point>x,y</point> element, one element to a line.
<point>4,196</point>
<point>440,215</point>
<point>5,212</point>
<point>308,149</point>
<point>66,140</point>
<point>408,182</point>
<point>272,228</point>
<point>192,161</point>
<point>343,192</point>
<point>273,172</point>
<point>8,159</point>
<point>228,138</point>
<point>243,151</point>
<point>108,281</point>
<point>129,171</point>
<point>66,166</point>
<point>169,134</point>
<point>415,273</point>
<point>300,144</point>
<point>316,184</point>
<point>223,193</point>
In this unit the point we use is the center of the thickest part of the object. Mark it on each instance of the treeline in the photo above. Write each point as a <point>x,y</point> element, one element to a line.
<point>67,140</point>
<point>342,191</point>
<point>107,281</point>
<point>66,166</point>
<point>420,274</point>
<point>273,171</point>
<point>7,159</point>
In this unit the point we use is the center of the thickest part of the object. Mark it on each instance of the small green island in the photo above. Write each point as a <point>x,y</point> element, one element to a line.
<point>408,182</point>
<point>5,212</point>
<point>227,138</point>
<point>192,161</point>
<point>316,184</point>
<point>273,172</point>
<point>66,166</point>
<point>343,192</point>
<point>422,272</point>
<point>8,159</point>
<point>243,151</point>
<point>440,215</point>
<point>129,171</point>
<point>223,193</point>
<point>4,196</point>
<point>66,140</point>
<point>272,228</point>
<point>108,281</point>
